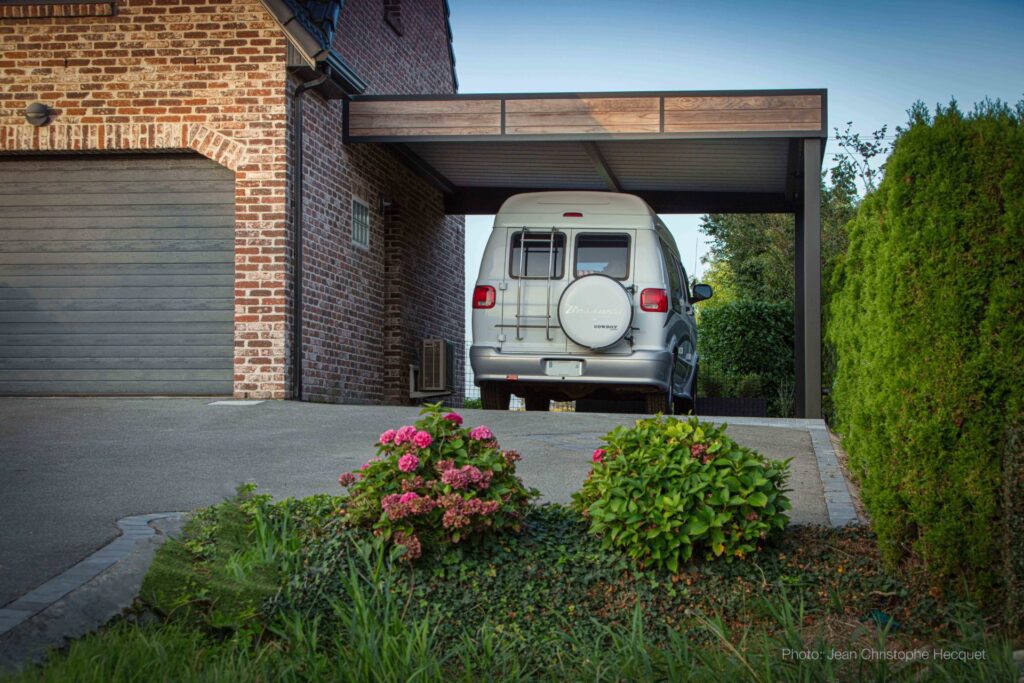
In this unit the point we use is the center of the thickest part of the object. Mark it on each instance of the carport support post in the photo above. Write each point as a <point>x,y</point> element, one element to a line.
<point>807,396</point>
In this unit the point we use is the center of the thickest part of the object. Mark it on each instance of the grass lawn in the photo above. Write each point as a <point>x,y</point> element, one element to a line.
<point>258,590</point>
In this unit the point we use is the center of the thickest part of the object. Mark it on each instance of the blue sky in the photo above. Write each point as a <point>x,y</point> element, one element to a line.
<point>876,59</point>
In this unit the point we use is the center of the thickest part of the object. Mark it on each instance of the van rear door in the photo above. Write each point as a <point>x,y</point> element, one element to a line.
<point>537,267</point>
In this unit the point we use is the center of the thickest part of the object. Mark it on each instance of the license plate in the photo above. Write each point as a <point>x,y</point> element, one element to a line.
<point>563,368</point>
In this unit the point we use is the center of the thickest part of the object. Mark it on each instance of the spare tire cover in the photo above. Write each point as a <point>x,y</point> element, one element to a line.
<point>595,311</point>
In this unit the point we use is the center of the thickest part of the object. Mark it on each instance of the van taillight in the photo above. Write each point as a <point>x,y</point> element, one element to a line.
<point>572,214</point>
<point>483,296</point>
<point>654,301</point>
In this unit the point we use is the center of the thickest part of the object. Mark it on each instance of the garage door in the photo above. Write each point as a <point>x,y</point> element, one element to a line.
<point>116,276</point>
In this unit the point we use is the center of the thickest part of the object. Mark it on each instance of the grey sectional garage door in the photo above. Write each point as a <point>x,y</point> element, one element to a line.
<point>116,276</point>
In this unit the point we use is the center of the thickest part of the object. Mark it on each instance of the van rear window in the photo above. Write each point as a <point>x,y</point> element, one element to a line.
<point>544,251</point>
<point>603,254</point>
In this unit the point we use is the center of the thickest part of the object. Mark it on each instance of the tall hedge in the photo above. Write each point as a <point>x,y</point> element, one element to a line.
<point>928,325</point>
<point>745,337</point>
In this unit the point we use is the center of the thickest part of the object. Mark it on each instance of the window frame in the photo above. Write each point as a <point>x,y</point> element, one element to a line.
<point>356,201</point>
<point>513,262</point>
<point>629,252</point>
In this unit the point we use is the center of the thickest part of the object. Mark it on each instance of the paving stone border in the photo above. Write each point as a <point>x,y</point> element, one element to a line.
<point>133,529</point>
<point>838,501</point>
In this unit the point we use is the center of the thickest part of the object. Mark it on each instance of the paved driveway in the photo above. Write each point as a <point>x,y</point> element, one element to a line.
<point>69,468</point>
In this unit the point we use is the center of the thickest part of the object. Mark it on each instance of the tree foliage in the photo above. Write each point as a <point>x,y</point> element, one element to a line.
<point>928,324</point>
<point>760,248</point>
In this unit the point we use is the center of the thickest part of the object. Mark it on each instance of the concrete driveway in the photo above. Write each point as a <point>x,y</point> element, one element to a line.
<point>69,468</point>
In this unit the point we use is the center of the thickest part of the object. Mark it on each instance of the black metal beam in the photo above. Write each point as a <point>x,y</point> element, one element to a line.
<point>793,169</point>
<point>603,94</point>
<point>487,200</point>
<point>421,168</point>
<point>808,285</point>
<point>601,166</point>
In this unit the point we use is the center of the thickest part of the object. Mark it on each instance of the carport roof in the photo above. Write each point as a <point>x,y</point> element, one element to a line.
<point>683,152</point>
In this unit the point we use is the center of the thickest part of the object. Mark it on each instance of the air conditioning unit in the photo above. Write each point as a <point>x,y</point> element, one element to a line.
<point>437,365</point>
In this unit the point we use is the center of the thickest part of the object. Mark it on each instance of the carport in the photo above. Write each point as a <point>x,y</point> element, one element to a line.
<point>683,152</point>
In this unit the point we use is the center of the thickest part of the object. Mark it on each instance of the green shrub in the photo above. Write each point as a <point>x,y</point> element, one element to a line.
<point>928,325</point>
<point>436,482</point>
<point>711,384</point>
<point>749,385</point>
<point>748,337</point>
<point>667,490</point>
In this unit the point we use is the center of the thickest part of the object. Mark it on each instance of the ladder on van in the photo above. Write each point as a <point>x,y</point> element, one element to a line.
<point>536,237</point>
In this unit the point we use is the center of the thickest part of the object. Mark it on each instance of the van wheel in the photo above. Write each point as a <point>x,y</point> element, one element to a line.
<point>537,403</point>
<point>494,397</point>
<point>661,402</point>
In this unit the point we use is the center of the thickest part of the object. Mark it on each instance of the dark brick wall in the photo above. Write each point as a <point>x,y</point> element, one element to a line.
<point>367,310</point>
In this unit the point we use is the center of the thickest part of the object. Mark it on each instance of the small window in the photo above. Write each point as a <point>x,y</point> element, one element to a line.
<point>360,224</point>
<point>393,15</point>
<point>674,279</point>
<point>544,256</point>
<point>603,254</point>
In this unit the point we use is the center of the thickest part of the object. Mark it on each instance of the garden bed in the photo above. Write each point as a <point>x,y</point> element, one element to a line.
<point>674,562</point>
<point>257,590</point>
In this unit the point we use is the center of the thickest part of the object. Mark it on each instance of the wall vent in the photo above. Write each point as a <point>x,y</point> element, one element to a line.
<point>437,369</point>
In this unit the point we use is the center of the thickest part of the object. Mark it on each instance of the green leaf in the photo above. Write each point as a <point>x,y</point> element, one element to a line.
<point>758,499</point>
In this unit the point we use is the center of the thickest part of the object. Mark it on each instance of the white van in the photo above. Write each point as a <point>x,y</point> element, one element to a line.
<point>582,295</point>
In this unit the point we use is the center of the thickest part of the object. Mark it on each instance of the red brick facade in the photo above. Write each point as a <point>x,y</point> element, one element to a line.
<point>210,76</point>
<point>367,310</point>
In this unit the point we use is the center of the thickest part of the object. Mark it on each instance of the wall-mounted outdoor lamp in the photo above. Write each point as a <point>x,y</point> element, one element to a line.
<point>38,114</point>
<point>383,203</point>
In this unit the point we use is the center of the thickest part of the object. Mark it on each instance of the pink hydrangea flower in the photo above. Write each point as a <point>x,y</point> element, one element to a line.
<point>347,479</point>
<point>398,506</point>
<point>387,437</point>
<point>458,511</point>
<point>481,433</point>
<point>454,417</point>
<point>465,476</point>
<point>408,463</point>
<point>411,543</point>
<point>598,455</point>
<point>422,439</point>
<point>404,435</point>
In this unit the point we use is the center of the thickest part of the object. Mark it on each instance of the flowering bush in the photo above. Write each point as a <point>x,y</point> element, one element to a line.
<point>667,490</point>
<point>436,482</point>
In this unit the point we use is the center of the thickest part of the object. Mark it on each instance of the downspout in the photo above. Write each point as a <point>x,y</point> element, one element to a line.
<point>297,231</point>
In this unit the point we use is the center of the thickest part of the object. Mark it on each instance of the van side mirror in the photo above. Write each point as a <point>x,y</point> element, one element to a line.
<point>701,292</point>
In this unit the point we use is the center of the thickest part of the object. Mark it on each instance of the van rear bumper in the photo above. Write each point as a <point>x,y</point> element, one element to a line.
<point>646,369</point>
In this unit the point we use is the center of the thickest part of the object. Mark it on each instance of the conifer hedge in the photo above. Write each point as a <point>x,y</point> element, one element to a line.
<point>928,325</point>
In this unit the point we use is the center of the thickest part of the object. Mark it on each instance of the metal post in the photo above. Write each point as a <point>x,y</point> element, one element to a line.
<point>808,285</point>
<point>799,352</point>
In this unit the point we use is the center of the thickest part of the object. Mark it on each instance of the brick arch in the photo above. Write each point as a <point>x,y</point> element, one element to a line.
<point>124,137</point>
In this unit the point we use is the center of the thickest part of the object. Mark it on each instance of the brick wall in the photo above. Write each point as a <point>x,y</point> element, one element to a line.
<point>206,75</point>
<point>367,310</point>
<point>209,75</point>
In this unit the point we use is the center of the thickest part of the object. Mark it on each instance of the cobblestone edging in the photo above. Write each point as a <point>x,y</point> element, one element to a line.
<point>134,529</point>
